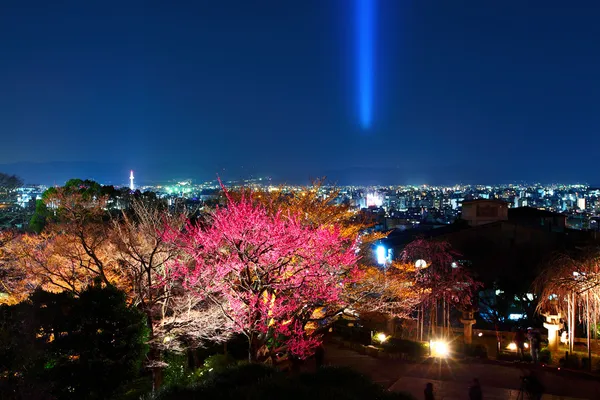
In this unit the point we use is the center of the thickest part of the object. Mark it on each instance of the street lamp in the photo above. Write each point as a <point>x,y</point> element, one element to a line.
<point>381,256</point>
<point>384,256</point>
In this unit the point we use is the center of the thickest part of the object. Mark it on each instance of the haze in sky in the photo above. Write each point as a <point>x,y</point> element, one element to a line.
<point>463,90</point>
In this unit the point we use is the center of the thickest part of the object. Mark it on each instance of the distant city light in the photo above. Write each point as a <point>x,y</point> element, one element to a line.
<point>530,296</point>
<point>365,21</point>
<point>515,317</point>
<point>374,200</point>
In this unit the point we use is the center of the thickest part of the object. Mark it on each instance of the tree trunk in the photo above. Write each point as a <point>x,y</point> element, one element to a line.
<point>154,356</point>
<point>253,349</point>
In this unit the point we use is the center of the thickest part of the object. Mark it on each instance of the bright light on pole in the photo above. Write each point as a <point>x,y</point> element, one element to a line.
<point>381,255</point>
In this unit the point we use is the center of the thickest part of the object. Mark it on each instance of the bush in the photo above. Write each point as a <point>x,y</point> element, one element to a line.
<point>71,347</point>
<point>254,382</point>
<point>545,356</point>
<point>356,333</point>
<point>572,361</point>
<point>177,373</point>
<point>477,350</point>
<point>414,350</point>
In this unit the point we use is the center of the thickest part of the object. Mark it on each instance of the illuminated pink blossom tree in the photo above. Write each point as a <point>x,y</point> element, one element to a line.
<point>269,273</point>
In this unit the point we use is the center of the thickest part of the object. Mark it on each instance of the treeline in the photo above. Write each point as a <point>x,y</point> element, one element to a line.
<point>274,268</point>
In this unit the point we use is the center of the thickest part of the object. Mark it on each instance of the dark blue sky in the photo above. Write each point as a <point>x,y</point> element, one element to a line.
<point>471,91</point>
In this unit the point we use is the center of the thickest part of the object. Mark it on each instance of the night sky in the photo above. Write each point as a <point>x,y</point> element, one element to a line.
<point>463,91</point>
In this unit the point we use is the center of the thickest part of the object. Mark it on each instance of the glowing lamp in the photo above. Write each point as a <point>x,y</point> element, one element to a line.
<point>420,264</point>
<point>564,338</point>
<point>526,345</point>
<point>381,256</point>
<point>480,334</point>
<point>439,349</point>
<point>512,346</point>
<point>381,337</point>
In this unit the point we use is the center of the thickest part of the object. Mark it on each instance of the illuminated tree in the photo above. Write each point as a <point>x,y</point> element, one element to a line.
<point>13,279</point>
<point>176,320</point>
<point>269,271</point>
<point>441,280</point>
<point>570,286</point>
<point>74,248</point>
<point>388,293</point>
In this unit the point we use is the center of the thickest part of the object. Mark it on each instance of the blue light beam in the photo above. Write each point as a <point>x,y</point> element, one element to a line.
<point>365,15</point>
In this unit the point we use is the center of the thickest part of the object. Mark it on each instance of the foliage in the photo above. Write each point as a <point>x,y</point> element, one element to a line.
<point>570,285</point>
<point>356,333</point>
<point>40,217</point>
<point>443,278</point>
<point>509,269</point>
<point>178,373</point>
<point>389,292</point>
<point>11,213</point>
<point>475,350</point>
<point>252,381</point>
<point>374,291</point>
<point>414,350</point>
<point>545,356</point>
<point>269,273</point>
<point>71,347</point>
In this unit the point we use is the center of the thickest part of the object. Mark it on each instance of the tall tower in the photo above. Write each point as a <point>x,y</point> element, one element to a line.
<point>131,186</point>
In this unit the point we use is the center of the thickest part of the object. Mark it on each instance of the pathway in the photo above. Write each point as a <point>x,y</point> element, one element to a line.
<point>451,380</point>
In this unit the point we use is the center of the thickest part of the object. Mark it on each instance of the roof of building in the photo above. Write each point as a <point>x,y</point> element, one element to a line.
<point>496,201</point>
<point>398,237</point>
<point>530,212</point>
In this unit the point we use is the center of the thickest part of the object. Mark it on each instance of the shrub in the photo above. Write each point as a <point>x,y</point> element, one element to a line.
<point>545,356</point>
<point>177,373</point>
<point>414,350</point>
<point>477,350</point>
<point>355,333</point>
<point>572,361</point>
<point>254,382</point>
<point>73,347</point>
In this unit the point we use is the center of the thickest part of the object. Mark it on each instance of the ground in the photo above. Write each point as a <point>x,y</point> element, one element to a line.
<point>452,379</point>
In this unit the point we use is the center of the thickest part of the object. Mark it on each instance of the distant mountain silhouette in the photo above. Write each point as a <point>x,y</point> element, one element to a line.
<point>50,173</point>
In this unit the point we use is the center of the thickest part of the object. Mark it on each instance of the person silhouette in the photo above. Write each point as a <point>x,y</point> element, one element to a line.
<point>429,391</point>
<point>475,392</point>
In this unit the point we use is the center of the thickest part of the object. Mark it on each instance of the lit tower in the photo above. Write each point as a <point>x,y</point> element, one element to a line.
<point>131,186</point>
